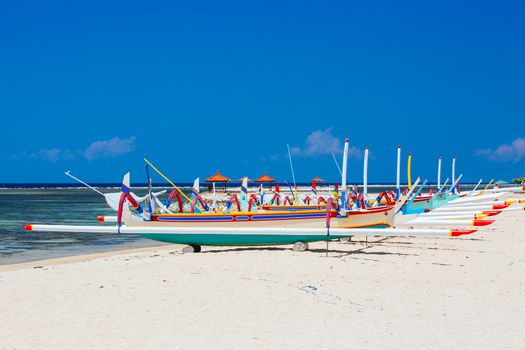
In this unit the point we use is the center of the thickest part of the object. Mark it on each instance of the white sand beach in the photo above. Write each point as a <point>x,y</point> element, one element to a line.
<point>461,293</point>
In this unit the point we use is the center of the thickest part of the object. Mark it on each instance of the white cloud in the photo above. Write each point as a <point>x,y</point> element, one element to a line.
<point>25,155</point>
<point>109,148</point>
<point>295,150</point>
<point>98,149</point>
<point>52,155</point>
<point>505,152</point>
<point>322,142</point>
<point>356,152</point>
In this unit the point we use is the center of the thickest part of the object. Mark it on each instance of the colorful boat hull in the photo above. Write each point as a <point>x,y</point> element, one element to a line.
<point>310,219</point>
<point>219,236</point>
<point>422,205</point>
<point>236,239</point>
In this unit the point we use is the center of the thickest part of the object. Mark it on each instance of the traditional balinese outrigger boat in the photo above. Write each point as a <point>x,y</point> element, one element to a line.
<point>451,207</point>
<point>242,228</point>
<point>420,203</point>
<point>358,212</point>
<point>244,211</point>
<point>248,225</point>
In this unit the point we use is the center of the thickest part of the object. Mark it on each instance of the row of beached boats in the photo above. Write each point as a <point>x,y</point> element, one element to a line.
<point>275,218</point>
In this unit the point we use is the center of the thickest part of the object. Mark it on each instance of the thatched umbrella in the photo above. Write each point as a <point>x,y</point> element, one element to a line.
<point>217,178</point>
<point>317,179</point>
<point>265,179</point>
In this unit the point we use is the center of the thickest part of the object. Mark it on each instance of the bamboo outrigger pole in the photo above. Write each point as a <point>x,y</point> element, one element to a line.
<point>479,194</point>
<point>398,173</point>
<point>343,175</point>
<point>453,172</point>
<point>365,176</point>
<point>408,171</point>
<point>337,164</point>
<point>166,178</point>
<point>477,185</point>
<point>68,173</point>
<point>439,174</point>
<point>106,196</point>
<point>293,175</point>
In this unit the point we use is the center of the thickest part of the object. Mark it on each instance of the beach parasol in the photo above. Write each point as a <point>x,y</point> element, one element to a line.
<point>264,179</point>
<point>217,178</point>
<point>317,179</point>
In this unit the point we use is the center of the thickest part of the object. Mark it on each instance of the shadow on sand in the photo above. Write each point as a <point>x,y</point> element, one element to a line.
<point>316,251</point>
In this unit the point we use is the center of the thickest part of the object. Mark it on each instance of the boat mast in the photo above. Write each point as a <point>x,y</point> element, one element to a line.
<point>166,178</point>
<point>68,173</point>
<point>408,171</point>
<point>479,183</point>
<point>214,197</point>
<point>293,173</point>
<point>343,175</point>
<point>150,195</point>
<point>365,176</point>
<point>398,175</point>
<point>454,173</point>
<point>439,174</point>
<point>337,164</point>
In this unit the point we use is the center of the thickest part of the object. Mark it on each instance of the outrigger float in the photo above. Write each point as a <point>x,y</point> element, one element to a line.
<point>245,236</point>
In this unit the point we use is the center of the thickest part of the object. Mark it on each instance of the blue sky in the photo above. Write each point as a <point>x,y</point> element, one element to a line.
<point>199,86</point>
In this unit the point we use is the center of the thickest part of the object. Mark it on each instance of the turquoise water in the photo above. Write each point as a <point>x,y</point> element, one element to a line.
<point>55,206</point>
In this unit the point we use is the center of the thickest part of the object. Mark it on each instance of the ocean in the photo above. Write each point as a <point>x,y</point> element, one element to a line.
<point>62,203</point>
<point>54,206</point>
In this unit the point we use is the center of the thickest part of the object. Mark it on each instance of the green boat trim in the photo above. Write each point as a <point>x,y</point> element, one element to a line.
<point>236,239</point>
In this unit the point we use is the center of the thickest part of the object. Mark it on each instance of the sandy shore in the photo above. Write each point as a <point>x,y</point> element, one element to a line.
<point>467,292</point>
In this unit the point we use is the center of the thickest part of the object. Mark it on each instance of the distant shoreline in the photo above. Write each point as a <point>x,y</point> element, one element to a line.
<point>45,185</point>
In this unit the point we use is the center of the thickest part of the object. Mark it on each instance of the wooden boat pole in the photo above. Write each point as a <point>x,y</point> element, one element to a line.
<point>365,176</point>
<point>327,240</point>
<point>329,204</point>
<point>150,196</point>
<point>343,175</point>
<point>490,182</point>
<point>449,222</point>
<point>472,207</point>
<point>477,185</point>
<point>408,171</point>
<point>454,184</point>
<point>337,164</point>
<point>214,199</point>
<point>398,173</point>
<point>68,173</point>
<point>453,174</point>
<point>106,196</point>
<point>442,187</point>
<point>140,230</point>
<point>453,215</point>
<point>439,174</point>
<point>415,194</point>
<point>293,175</point>
<point>403,200</point>
<point>166,178</point>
